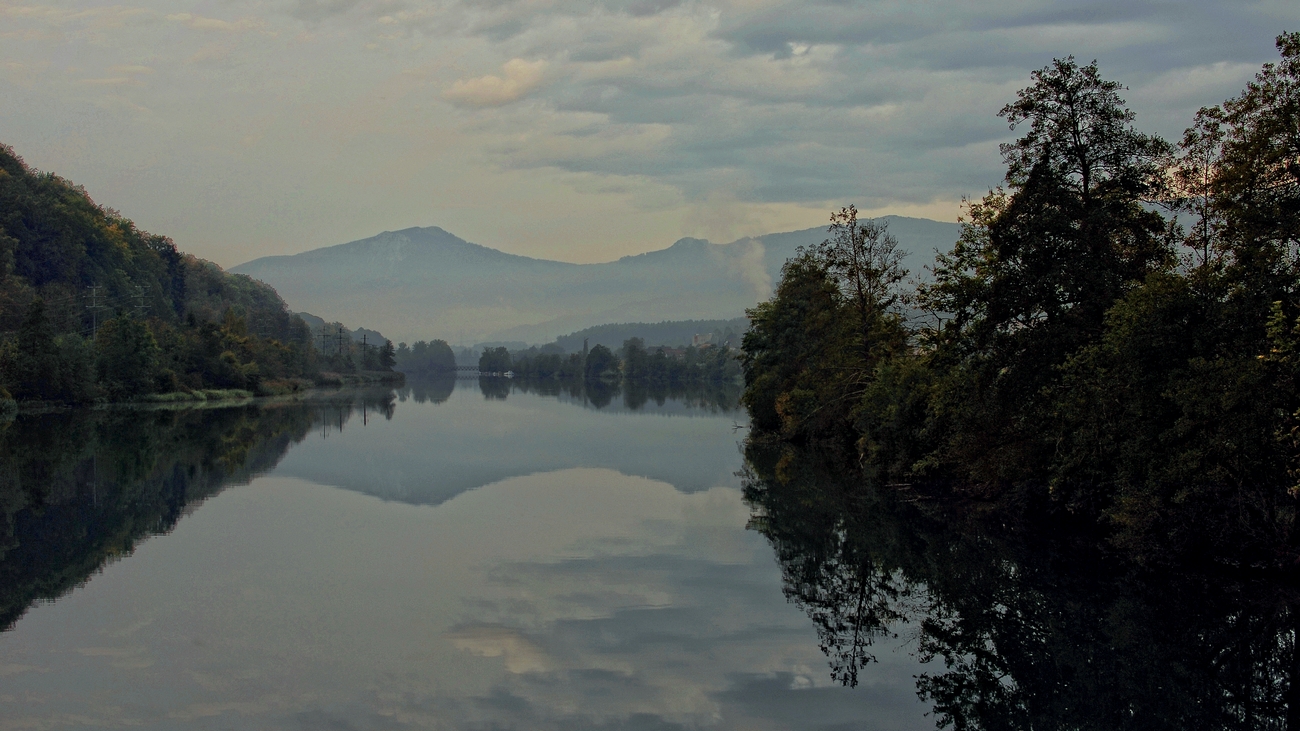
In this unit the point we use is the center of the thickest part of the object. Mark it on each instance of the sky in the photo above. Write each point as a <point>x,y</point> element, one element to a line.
<point>578,130</point>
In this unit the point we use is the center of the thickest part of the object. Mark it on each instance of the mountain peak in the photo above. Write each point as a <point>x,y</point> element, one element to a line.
<point>424,282</point>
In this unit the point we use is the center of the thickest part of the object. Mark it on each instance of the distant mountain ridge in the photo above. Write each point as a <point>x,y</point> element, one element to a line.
<point>423,283</point>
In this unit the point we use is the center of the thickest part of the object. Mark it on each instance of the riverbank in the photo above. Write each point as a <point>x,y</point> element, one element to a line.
<point>297,389</point>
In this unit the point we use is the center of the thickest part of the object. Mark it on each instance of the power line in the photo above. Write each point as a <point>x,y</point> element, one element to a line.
<point>94,311</point>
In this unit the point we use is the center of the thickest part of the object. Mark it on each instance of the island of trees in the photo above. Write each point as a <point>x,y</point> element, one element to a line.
<point>1114,337</point>
<point>92,308</point>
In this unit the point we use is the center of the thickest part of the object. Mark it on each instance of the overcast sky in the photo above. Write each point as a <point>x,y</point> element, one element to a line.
<point>580,130</point>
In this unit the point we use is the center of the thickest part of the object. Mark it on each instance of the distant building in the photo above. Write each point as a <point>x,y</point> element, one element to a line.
<point>702,340</point>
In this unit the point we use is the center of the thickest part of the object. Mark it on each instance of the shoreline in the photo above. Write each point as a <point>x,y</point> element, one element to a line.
<point>325,383</point>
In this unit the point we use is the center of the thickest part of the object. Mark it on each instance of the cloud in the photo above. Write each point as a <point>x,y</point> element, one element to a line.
<point>108,81</point>
<point>209,52</point>
<point>318,10</point>
<point>518,78</point>
<point>783,105</point>
<point>782,102</point>
<point>199,22</point>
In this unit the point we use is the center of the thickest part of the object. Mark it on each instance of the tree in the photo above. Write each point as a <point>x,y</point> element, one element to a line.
<point>494,361</point>
<point>1038,266</point>
<point>795,353</point>
<point>866,264</point>
<point>600,360</point>
<point>1193,185</point>
<point>635,359</point>
<point>34,370</point>
<point>387,356</point>
<point>127,360</point>
<point>1258,178</point>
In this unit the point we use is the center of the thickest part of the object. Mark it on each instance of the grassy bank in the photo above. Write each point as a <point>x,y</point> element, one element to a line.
<point>361,378</point>
<point>294,389</point>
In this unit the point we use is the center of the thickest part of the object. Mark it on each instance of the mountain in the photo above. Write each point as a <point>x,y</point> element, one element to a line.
<point>422,283</point>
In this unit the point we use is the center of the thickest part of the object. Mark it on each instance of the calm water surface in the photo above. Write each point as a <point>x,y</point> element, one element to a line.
<point>437,558</point>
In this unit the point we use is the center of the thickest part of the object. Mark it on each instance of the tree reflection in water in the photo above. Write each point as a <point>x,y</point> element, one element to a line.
<point>712,397</point>
<point>436,388</point>
<point>494,388</point>
<point>1029,619</point>
<point>79,489</point>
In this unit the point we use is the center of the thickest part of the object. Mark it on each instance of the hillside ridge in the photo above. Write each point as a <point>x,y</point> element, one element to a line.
<point>421,283</point>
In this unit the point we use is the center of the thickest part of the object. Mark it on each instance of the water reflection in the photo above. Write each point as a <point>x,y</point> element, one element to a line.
<point>713,397</point>
<point>1026,620</point>
<point>471,439</point>
<point>572,593</point>
<point>435,389</point>
<point>81,488</point>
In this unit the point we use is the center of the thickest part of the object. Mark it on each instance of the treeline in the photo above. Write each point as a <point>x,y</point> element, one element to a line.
<point>91,307</point>
<point>425,358</point>
<point>634,363</point>
<point>672,333</point>
<point>343,350</point>
<point>1080,345</point>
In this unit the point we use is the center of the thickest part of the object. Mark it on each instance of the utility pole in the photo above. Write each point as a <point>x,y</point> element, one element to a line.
<point>139,302</point>
<point>364,352</point>
<point>94,310</point>
<point>324,340</point>
<point>339,331</point>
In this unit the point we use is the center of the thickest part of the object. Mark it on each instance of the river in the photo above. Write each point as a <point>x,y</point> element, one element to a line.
<point>454,555</point>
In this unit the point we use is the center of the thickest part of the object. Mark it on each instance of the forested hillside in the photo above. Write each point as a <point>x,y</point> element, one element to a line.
<point>92,307</point>
<point>1082,348</point>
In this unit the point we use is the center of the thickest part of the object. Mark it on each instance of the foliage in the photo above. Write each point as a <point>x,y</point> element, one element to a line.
<point>670,334</point>
<point>600,362</point>
<point>494,361</point>
<point>425,357</point>
<point>127,361</point>
<point>46,366</point>
<point>813,350</point>
<point>633,364</point>
<point>1069,352</point>
<point>545,364</point>
<point>122,313</point>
